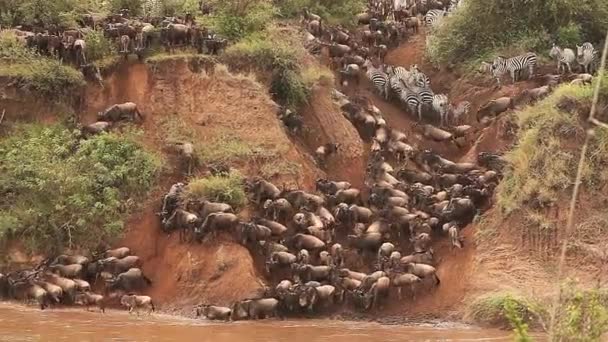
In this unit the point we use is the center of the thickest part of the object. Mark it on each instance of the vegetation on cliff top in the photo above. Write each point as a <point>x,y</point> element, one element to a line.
<point>545,159</point>
<point>59,191</point>
<point>35,73</point>
<point>480,28</point>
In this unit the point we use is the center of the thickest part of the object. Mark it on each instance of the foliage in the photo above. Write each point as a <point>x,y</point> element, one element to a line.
<point>275,52</point>
<point>98,46</point>
<point>236,19</point>
<point>32,72</point>
<point>43,13</point>
<point>569,35</point>
<point>58,191</point>
<point>315,73</point>
<point>582,314</point>
<point>540,164</point>
<point>480,27</point>
<point>495,309</point>
<point>227,189</point>
<point>333,12</point>
<point>135,7</point>
<point>520,328</point>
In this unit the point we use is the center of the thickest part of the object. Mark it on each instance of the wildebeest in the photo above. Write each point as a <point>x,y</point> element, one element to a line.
<point>134,302</point>
<point>123,111</point>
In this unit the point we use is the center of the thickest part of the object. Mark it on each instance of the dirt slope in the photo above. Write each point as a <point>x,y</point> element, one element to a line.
<point>214,103</point>
<point>325,123</point>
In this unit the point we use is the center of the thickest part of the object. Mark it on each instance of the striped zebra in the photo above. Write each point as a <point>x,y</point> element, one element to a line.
<point>564,57</point>
<point>418,98</point>
<point>378,78</point>
<point>587,56</point>
<point>397,86</point>
<point>399,71</point>
<point>434,17</point>
<point>513,65</point>
<point>440,105</point>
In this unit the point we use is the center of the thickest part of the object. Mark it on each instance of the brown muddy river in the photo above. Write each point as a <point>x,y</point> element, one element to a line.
<point>18,323</point>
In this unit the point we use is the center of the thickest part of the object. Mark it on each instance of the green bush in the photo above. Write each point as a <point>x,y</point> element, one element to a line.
<point>499,308</point>
<point>43,12</point>
<point>235,20</point>
<point>57,191</point>
<point>569,35</point>
<point>480,27</point>
<point>275,53</point>
<point>98,46</point>
<point>582,314</point>
<point>219,189</point>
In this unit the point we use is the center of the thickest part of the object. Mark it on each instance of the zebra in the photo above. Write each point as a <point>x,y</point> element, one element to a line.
<point>434,17</point>
<point>378,78</point>
<point>564,57</point>
<point>587,56</point>
<point>396,85</point>
<point>399,71</point>
<point>418,98</point>
<point>501,65</point>
<point>440,105</point>
<point>485,68</point>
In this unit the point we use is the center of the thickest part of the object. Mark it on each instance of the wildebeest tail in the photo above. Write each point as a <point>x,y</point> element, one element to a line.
<point>152,306</point>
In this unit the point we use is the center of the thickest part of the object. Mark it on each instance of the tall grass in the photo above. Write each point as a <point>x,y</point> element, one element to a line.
<point>227,189</point>
<point>274,52</point>
<point>544,160</point>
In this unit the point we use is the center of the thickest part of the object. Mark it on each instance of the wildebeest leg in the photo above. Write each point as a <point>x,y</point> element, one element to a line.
<point>138,114</point>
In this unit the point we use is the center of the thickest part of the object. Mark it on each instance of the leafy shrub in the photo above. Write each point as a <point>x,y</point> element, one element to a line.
<point>44,13</point>
<point>569,35</point>
<point>495,309</point>
<point>98,46</point>
<point>274,52</point>
<point>479,27</point>
<point>582,314</point>
<point>60,192</point>
<point>235,20</point>
<point>219,189</point>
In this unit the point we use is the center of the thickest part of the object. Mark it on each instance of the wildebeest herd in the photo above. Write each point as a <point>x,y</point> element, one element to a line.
<point>130,35</point>
<point>342,245</point>
<point>74,279</point>
<point>338,245</point>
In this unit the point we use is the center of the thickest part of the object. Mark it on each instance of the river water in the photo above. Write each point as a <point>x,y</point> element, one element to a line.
<point>19,323</point>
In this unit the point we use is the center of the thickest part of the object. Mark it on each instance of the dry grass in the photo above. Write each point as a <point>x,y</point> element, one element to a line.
<point>227,189</point>
<point>544,160</point>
